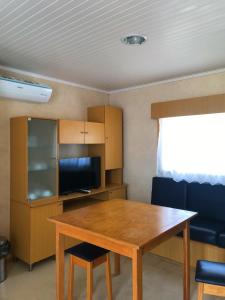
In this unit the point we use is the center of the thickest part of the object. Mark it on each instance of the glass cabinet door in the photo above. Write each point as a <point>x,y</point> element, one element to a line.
<point>42,158</point>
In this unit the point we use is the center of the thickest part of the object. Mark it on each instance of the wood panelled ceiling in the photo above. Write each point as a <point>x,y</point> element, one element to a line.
<point>79,40</point>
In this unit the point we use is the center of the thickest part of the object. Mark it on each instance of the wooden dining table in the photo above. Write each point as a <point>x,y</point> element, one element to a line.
<point>125,227</point>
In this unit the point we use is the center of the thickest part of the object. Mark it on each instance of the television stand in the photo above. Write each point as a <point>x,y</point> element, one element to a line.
<point>104,192</point>
<point>84,191</point>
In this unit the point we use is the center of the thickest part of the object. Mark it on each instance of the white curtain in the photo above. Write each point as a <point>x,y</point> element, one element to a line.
<point>192,148</point>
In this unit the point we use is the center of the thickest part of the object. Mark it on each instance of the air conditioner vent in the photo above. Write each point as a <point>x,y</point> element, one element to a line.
<point>24,90</point>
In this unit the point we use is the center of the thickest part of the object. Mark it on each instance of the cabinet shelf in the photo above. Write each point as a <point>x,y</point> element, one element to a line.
<point>38,147</point>
<point>78,203</point>
<point>47,169</point>
<point>39,195</point>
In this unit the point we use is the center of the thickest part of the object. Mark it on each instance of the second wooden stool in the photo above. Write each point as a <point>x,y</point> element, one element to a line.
<point>88,256</point>
<point>211,278</point>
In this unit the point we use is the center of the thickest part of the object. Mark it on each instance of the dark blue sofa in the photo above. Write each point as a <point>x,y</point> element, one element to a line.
<point>206,199</point>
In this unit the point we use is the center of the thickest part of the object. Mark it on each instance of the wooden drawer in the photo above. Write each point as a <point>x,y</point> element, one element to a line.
<point>118,193</point>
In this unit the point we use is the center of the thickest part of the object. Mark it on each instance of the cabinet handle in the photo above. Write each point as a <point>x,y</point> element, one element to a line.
<point>82,132</point>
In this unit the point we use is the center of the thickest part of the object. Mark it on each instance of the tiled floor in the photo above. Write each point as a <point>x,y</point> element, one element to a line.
<point>162,280</point>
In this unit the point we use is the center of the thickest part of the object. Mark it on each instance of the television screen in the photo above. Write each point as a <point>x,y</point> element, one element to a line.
<point>79,173</point>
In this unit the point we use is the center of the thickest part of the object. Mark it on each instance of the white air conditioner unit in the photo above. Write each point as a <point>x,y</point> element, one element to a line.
<point>24,90</point>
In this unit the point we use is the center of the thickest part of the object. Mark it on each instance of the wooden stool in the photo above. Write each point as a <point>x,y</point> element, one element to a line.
<point>88,256</point>
<point>211,278</point>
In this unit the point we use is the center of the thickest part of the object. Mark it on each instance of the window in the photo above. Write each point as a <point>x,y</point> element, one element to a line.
<point>192,148</point>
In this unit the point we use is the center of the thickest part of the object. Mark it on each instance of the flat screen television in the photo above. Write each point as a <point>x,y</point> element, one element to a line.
<point>79,173</point>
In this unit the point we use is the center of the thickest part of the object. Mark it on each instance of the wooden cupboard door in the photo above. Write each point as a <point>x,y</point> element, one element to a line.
<point>94,133</point>
<point>71,132</point>
<point>42,231</point>
<point>18,159</point>
<point>118,193</point>
<point>113,138</point>
<point>42,159</point>
<point>20,230</point>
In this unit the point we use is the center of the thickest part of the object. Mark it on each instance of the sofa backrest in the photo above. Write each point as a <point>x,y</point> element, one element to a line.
<point>167,192</point>
<point>206,199</point>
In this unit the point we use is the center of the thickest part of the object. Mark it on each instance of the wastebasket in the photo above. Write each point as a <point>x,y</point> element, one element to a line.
<point>4,251</point>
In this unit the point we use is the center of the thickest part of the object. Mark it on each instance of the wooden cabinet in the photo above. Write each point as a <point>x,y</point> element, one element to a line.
<point>113,138</point>
<point>18,159</point>
<point>34,187</point>
<point>20,230</point>
<point>71,132</point>
<point>80,132</point>
<point>42,233</point>
<point>113,120</point>
<point>94,133</point>
<point>119,193</point>
<point>34,152</point>
<point>32,235</point>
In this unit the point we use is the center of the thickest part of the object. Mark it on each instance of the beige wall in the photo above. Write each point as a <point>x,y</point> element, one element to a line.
<point>140,132</point>
<point>66,102</point>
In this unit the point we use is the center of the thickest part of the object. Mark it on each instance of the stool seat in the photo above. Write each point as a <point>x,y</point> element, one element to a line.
<point>88,256</point>
<point>210,272</point>
<point>87,251</point>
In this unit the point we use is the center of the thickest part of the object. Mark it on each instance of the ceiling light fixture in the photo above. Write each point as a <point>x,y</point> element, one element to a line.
<point>134,39</point>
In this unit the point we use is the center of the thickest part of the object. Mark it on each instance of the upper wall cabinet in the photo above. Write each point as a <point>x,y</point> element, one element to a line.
<point>113,138</point>
<point>113,120</point>
<point>79,132</point>
<point>71,132</point>
<point>94,133</point>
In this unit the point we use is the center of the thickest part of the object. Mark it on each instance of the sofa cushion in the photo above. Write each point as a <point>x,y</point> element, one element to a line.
<point>167,192</point>
<point>221,240</point>
<point>206,231</point>
<point>206,199</point>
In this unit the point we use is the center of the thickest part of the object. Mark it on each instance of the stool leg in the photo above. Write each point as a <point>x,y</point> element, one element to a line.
<point>108,277</point>
<point>89,281</point>
<point>200,291</point>
<point>70,279</point>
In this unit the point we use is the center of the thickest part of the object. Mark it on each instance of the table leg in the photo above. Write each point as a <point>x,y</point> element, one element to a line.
<point>59,265</point>
<point>137,274</point>
<point>186,244</point>
<point>116,264</point>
